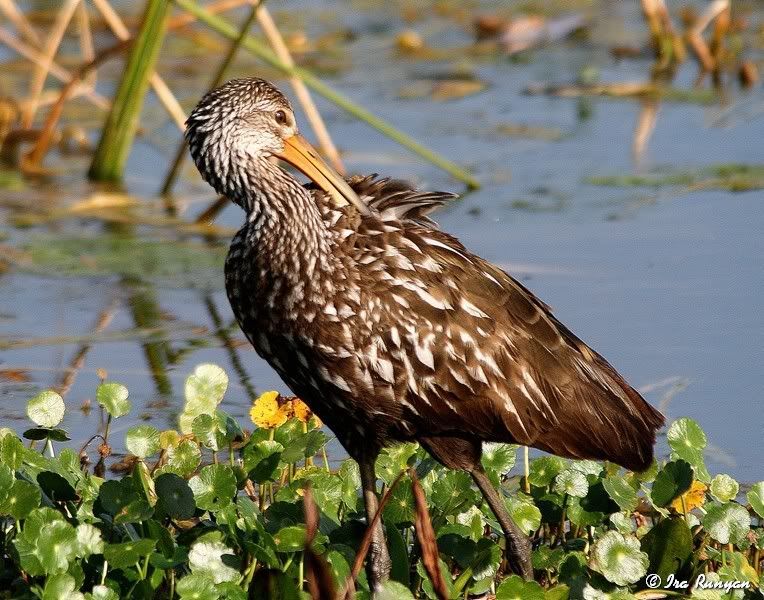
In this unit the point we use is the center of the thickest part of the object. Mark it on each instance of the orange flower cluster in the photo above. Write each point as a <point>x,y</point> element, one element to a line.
<point>271,410</point>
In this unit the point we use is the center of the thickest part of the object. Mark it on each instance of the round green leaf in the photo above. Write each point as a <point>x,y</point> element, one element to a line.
<point>197,586</point>
<point>543,470</point>
<point>621,492</point>
<point>56,487</point>
<point>11,451</point>
<point>102,592</point>
<point>57,546</point>
<point>669,546</point>
<point>127,554</point>
<point>756,498</point>
<point>142,441</point>
<point>515,588</point>
<point>214,487</point>
<point>524,513</point>
<point>672,481</point>
<point>486,560</point>
<point>22,498</point>
<point>89,540</point>
<point>205,389</point>
<point>46,409</point>
<point>498,459</point>
<point>688,441</point>
<point>400,506</point>
<point>619,558</point>
<point>571,482</point>
<point>727,523</point>
<point>6,481</point>
<point>205,429</point>
<point>206,557</point>
<point>42,433</point>
<point>185,457</point>
<point>261,460</point>
<point>392,590</point>
<point>174,496</point>
<point>61,587</point>
<point>113,397</point>
<point>723,488</point>
<point>291,538</point>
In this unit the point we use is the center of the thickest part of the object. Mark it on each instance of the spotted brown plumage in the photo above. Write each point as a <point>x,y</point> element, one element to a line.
<point>389,328</point>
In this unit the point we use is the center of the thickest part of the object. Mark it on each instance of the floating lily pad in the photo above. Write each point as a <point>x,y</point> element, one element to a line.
<point>46,409</point>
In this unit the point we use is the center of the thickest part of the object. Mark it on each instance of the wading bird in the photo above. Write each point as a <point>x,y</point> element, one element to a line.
<point>390,329</point>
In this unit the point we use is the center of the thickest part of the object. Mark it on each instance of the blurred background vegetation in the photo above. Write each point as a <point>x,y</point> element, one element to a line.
<point>609,153</point>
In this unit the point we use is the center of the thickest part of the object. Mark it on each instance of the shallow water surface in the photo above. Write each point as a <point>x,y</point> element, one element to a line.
<point>666,281</point>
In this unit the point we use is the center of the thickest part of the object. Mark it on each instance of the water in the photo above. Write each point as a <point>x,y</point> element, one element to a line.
<point>666,283</point>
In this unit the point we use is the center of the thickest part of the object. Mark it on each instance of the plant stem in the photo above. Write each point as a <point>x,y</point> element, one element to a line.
<point>227,29</point>
<point>122,122</point>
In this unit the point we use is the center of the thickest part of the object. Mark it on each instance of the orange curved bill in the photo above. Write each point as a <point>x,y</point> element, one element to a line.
<point>301,155</point>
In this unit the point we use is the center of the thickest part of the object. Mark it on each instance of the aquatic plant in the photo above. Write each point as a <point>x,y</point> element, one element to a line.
<point>212,510</point>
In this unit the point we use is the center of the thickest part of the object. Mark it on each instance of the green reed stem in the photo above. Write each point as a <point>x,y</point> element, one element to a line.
<point>118,133</point>
<point>228,30</point>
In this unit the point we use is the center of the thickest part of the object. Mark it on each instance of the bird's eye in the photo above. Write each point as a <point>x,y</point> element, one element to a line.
<point>280,117</point>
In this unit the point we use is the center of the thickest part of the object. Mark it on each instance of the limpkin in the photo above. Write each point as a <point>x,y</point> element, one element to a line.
<point>389,328</point>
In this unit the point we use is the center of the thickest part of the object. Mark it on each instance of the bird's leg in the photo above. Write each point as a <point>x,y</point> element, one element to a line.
<point>379,564</point>
<point>518,544</point>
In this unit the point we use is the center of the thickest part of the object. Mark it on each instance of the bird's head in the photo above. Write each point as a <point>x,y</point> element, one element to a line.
<point>236,128</point>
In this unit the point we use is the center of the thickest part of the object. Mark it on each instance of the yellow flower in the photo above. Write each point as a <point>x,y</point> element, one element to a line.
<point>693,498</point>
<point>301,410</point>
<point>266,412</point>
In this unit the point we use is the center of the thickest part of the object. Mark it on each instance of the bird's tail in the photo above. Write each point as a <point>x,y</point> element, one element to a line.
<point>609,420</point>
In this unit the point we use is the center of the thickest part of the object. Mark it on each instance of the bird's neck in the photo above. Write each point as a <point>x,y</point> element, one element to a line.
<point>285,225</point>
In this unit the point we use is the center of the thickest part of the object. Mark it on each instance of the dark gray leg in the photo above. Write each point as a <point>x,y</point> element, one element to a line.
<point>518,544</point>
<point>379,564</point>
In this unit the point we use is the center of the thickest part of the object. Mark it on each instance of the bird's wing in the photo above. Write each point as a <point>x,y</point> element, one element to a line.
<point>482,356</point>
<point>393,199</point>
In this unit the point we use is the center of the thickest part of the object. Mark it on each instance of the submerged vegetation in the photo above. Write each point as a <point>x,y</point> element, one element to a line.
<point>213,510</point>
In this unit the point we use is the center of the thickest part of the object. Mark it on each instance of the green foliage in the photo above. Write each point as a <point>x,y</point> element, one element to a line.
<point>215,512</point>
